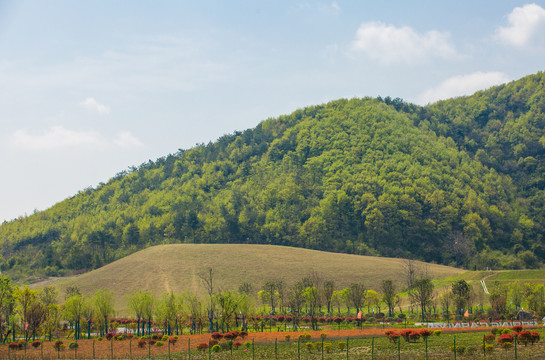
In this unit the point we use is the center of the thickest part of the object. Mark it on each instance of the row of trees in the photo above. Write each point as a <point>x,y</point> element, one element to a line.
<point>37,312</point>
<point>28,312</point>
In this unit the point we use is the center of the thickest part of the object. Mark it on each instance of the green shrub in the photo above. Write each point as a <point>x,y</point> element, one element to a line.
<point>216,348</point>
<point>164,338</point>
<point>120,337</point>
<point>99,338</point>
<point>287,337</point>
<point>341,345</point>
<point>328,347</point>
<point>460,349</point>
<point>159,343</point>
<point>488,347</point>
<point>323,336</point>
<point>305,336</point>
<point>506,345</point>
<point>73,345</point>
<point>437,332</point>
<point>247,344</point>
<point>309,346</point>
<point>226,345</point>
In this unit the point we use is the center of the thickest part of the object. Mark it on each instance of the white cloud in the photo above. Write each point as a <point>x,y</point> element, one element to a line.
<point>58,137</point>
<point>462,85</point>
<point>93,105</point>
<point>389,44</point>
<point>126,139</point>
<point>54,138</point>
<point>524,23</point>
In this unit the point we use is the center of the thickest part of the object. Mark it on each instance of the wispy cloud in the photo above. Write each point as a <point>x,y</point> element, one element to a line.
<point>332,8</point>
<point>92,105</point>
<point>54,138</point>
<point>462,85</point>
<point>389,44</point>
<point>126,139</point>
<point>59,137</point>
<point>524,23</point>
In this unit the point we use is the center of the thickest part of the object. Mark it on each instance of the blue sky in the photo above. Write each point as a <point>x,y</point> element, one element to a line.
<point>89,88</point>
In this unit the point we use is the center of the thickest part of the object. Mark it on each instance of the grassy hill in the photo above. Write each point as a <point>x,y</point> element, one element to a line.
<point>176,268</point>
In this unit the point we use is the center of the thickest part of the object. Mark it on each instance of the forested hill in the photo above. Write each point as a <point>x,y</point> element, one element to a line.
<point>459,182</point>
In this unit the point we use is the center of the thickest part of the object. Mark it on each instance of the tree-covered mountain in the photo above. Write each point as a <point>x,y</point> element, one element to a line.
<point>458,182</point>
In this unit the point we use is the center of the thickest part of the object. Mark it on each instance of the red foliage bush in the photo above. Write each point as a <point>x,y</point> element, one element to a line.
<point>129,336</point>
<point>217,336</point>
<point>14,345</point>
<point>392,336</point>
<point>425,333</point>
<point>524,337</point>
<point>280,318</point>
<point>36,343</point>
<point>243,334</point>
<point>172,340</point>
<point>489,338</point>
<point>237,344</point>
<point>506,338</point>
<point>414,336</point>
<point>405,334</point>
<point>517,328</point>
<point>410,335</point>
<point>535,337</point>
<point>141,343</point>
<point>213,342</point>
<point>109,336</point>
<point>229,336</point>
<point>202,346</point>
<point>338,319</point>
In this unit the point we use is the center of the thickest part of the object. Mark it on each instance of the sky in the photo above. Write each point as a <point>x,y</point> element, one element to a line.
<point>91,88</point>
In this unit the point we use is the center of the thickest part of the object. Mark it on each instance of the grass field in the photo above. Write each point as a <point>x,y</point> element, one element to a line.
<point>177,267</point>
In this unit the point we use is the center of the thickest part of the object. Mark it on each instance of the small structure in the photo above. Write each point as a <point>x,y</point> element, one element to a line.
<point>523,315</point>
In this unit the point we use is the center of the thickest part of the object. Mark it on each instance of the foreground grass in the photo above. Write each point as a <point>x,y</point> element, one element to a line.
<point>275,346</point>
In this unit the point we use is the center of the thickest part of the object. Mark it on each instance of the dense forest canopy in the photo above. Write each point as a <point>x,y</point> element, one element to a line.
<point>458,182</point>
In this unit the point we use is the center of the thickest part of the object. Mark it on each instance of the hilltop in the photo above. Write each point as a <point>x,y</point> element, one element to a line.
<point>459,182</point>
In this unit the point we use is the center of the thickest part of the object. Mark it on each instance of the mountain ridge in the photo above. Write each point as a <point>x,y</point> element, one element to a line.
<point>365,176</point>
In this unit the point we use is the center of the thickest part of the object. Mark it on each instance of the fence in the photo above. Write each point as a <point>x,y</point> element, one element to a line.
<point>444,346</point>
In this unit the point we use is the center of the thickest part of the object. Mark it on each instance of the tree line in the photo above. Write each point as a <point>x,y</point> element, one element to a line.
<point>30,313</point>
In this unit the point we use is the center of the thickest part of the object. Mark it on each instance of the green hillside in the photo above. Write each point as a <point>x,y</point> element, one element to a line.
<point>177,267</point>
<point>459,182</point>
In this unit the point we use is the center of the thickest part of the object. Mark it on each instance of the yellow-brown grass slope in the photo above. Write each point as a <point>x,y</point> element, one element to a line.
<point>177,268</point>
